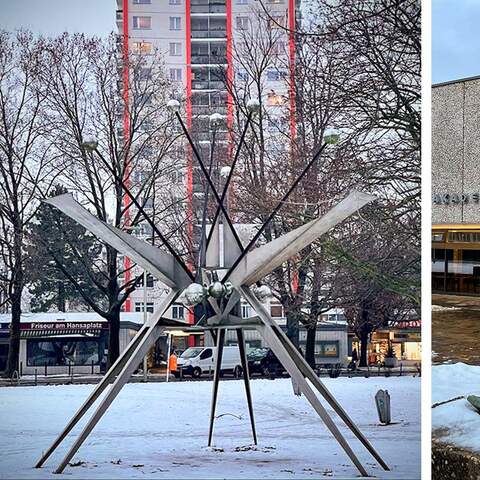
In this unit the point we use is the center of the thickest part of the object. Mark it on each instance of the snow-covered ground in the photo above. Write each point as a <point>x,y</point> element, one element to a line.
<point>456,422</point>
<point>159,430</point>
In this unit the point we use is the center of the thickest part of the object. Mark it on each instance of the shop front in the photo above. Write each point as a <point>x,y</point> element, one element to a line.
<point>456,259</point>
<point>455,188</point>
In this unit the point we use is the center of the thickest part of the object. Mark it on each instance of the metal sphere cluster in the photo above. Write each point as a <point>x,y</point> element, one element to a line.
<point>90,143</point>
<point>216,120</point>
<point>196,293</point>
<point>253,105</point>
<point>173,105</point>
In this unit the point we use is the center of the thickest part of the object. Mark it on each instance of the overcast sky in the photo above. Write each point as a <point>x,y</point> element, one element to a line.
<point>51,17</point>
<point>455,39</point>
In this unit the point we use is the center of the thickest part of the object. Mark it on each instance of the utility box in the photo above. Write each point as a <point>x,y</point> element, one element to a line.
<point>382,400</point>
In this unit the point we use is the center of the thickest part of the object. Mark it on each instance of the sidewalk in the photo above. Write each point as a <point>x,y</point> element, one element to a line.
<point>456,301</point>
<point>153,377</point>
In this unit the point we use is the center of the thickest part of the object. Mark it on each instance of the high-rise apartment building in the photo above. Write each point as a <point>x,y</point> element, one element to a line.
<point>201,42</point>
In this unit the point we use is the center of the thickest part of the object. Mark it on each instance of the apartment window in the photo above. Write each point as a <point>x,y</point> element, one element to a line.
<point>242,2</point>
<point>242,75</point>
<point>143,2</point>
<point>273,75</point>
<point>175,23</point>
<point>149,281</point>
<point>144,73</point>
<point>175,49</point>
<point>143,48</point>
<point>242,23</point>
<point>276,311</point>
<point>176,74</point>
<point>276,21</point>
<point>246,311</point>
<point>178,311</point>
<point>274,99</point>
<point>142,23</point>
<point>174,2</point>
<point>275,1</point>
<point>139,307</point>
<point>278,48</point>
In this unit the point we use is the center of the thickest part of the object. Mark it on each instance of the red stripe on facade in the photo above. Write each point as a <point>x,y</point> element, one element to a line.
<point>291,47</point>
<point>189,213</point>
<point>229,48</point>
<point>127,264</point>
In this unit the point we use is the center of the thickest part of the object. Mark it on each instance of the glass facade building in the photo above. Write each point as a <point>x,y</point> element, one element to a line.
<point>456,259</point>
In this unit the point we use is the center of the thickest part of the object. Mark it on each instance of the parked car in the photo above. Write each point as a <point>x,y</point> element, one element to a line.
<point>264,362</point>
<point>196,361</point>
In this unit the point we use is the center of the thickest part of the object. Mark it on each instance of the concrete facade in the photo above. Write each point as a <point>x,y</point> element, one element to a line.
<point>456,152</point>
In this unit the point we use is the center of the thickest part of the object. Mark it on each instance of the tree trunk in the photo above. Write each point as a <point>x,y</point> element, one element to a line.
<point>363,348</point>
<point>310,345</point>
<point>61,296</point>
<point>14,344</point>
<point>292,328</point>
<point>114,336</point>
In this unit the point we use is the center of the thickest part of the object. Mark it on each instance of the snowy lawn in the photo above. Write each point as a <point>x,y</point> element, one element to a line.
<point>456,422</point>
<point>159,430</point>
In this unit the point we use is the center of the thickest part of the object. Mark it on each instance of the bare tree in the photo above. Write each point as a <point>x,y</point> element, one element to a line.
<point>26,167</point>
<point>92,92</point>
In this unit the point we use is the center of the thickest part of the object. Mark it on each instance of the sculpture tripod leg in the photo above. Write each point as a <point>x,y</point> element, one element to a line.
<point>271,338</point>
<point>307,371</point>
<point>153,331</point>
<point>282,354</point>
<point>216,380</point>
<point>246,380</point>
<point>98,390</point>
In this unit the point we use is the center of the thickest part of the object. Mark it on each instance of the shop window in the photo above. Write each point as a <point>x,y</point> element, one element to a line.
<point>63,351</point>
<point>328,349</point>
<point>142,23</point>
<point>438,236</point>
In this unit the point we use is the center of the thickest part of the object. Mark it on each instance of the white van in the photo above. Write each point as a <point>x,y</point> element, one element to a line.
<point>196,361</point>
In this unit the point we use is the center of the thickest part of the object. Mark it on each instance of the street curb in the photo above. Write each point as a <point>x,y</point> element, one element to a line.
<point>451,462</point>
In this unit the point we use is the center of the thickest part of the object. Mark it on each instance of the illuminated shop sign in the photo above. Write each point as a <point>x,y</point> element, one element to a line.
<point>455,198</point>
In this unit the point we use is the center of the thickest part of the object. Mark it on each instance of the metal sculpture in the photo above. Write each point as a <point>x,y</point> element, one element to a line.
<point>220,283</point>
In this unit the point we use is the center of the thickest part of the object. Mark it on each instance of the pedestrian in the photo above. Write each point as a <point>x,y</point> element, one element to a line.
<point>172,362</point>
<point>355,356</point>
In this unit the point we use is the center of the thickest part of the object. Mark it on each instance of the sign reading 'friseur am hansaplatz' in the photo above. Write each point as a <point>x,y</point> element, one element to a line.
<point>455,198</point>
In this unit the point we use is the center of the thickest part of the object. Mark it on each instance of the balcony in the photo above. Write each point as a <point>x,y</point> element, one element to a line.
<point>207,85</point>
<point>208,6</point>
<point>119,19</point>
<point>209,59</point>
<point>208,110</point>
<point>208,9</point>
<point>217,33</point>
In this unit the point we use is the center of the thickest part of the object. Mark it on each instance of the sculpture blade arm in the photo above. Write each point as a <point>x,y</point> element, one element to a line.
<point>160,264</point>
<point>261,261</point>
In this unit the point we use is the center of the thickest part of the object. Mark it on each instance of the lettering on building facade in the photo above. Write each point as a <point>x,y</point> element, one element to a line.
<point>456,198</point>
